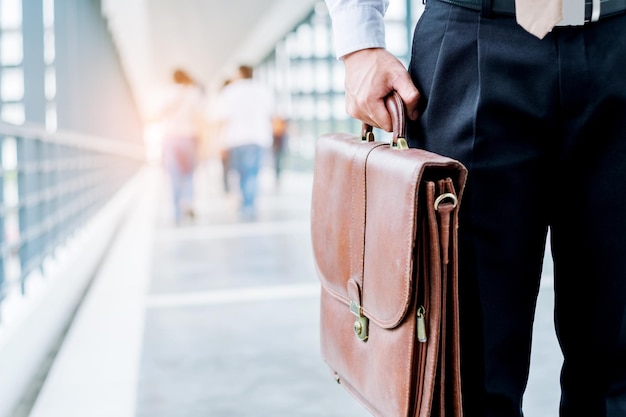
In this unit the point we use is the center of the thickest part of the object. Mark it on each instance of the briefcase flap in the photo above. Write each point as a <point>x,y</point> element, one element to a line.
<point>363,221</point>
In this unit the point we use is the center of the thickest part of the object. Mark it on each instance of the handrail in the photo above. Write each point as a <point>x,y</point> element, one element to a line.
<point>78,140</point>
<point>51,183</point>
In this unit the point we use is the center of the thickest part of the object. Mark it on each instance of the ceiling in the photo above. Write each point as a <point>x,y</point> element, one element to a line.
<point>209,38</point>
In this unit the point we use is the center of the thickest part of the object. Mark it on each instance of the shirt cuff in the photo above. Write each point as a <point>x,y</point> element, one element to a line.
<point>357,27</point>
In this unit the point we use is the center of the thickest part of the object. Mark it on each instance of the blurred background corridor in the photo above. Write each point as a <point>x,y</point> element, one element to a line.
<point>135,279</point>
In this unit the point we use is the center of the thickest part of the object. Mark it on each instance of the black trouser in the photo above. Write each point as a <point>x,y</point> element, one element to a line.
<point>541,126</point>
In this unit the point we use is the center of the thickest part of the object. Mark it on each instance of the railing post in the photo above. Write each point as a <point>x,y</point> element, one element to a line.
<point>27,183</point>
<point>39,201</point>
<point>51,184</point>
<point>3,249</point>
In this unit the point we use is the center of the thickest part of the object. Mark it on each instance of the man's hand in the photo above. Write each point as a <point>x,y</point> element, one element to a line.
<point>371,74</point>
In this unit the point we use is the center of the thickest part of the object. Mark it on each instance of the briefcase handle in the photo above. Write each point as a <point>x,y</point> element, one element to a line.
<point>396,108</point>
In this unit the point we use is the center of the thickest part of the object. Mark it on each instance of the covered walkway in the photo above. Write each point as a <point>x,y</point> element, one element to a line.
<point>109,309</point>
<point>217,317</point>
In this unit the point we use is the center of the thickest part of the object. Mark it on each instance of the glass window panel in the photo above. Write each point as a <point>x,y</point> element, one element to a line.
<point>305,41</point>
<point>283,82</point>
<point>261,74</point>
<point>322,75</point>
<point>11,48</point>
<point>50,83</point>
<point>346,125</point>
<point>307,108</point>
<point>282,74</point>
<point>307,148</point>
<point>48,13</point>
<point>339,107</point>
<point>9,154</point>
<point>49,51</point>
<point>323,108</point>
<point>295,108</point>
<point>296,77</point>
<point>339,73</point>
<point>12,84</point>
<point>292,77</point>
<point>396,38</point>
<point>291,45</point>
<point>13,113</point>
<point>271,72</point>
<point>322,41</point>
<point>308,133</point>
<point>10,14</point>
<point>51,117</point>
<point>307,77</point>
<point>397,10</point>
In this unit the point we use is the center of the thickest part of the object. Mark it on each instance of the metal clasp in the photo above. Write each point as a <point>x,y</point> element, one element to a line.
<point>361,323</point>
<point>400,144</point>
<point>368,137</point>
<point>421,325</point>
<point>574,12</point>
<point>595,10</point>
<point>443,197</point>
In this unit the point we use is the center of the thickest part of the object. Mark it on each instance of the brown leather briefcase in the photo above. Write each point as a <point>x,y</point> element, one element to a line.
<point>384,233</point>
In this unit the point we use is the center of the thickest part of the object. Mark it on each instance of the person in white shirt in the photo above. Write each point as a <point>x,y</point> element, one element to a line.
<point>541,126</point>
<point>245,110</point>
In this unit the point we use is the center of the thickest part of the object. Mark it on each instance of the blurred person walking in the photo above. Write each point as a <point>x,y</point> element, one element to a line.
<point>180,109</point>
<point>224,156</point>
<point>279,144</point>
<point>245,111</point>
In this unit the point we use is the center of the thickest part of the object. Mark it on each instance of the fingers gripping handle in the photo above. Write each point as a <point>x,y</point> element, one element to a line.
<point>397,110</point>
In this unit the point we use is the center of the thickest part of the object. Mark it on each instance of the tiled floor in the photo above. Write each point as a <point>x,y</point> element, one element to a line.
<point>231,325</point>
<point>221,319</point>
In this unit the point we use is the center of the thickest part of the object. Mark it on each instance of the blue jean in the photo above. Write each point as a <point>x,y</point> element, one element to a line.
<point>246,161</point>
<point>179,160</point>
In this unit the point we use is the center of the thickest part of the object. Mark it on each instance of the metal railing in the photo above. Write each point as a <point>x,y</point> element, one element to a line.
<point>51,184</point>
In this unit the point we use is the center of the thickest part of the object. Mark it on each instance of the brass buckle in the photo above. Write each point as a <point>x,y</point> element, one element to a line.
<point>574,12</point>
<point>595,10</point>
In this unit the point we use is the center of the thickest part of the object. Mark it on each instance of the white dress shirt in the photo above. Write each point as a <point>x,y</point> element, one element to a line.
<point>246,107</point>
<point>357,24</point>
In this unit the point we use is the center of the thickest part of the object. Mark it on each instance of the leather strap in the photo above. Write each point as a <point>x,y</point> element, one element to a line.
<point>357,232</point>
<point>439,263</point>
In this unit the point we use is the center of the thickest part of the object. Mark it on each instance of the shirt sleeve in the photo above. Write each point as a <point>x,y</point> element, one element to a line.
<point>357,24</point>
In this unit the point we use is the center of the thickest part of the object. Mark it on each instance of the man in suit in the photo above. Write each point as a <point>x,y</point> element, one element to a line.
<point>540,123</point>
